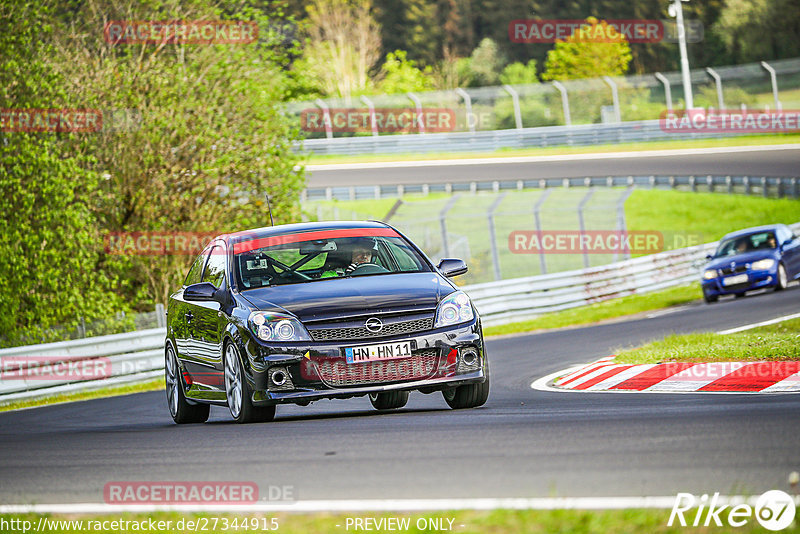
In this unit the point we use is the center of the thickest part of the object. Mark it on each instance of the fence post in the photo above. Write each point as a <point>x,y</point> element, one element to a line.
<point>746,182</point>
<point>621,224</point>
<point>774,80</point>
<point>614,97</point>
<point>729,183</point>
<point>582,226</point>
<point>418,104</point>
<point>372,120</point>
<point>537,208</point>
<point>667,89</point>
<point>710,183</point>
<point>794,187</point>
<point>764,186</point>
<point>564,102</point>
<point>515,98</point>
<point>443,224</point>
<point>493,237</point>
<point>468,105</point>
<point>326,117</point>
<point>718,82</point>
<point>161,318</point>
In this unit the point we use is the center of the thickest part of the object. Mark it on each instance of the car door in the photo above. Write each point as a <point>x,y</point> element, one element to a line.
<point>180,312</point>
<point>208,323</point>
<point>790,251</point>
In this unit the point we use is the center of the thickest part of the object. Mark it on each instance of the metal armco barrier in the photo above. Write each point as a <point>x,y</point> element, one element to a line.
<point>139,356</point>
<point>81,365</point>
<point>480,141</point>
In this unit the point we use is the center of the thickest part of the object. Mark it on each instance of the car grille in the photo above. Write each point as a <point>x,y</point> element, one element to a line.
<point>735,270</point>
<point>339,373</point>
<point>361,332</point>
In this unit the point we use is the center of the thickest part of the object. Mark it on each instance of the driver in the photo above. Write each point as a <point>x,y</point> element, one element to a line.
<point>362,253</point>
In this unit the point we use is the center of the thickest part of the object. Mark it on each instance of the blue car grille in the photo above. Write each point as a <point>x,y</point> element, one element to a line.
<point>735,270</point>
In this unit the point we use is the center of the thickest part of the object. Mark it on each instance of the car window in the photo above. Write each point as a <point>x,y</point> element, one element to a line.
<point>320,259</point>
<point>215,268</point>
<point>746,243</point>
<point>193,277</point>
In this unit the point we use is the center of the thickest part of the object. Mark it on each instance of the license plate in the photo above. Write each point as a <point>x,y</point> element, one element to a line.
<point>733,280</point>
<point>385,351</point>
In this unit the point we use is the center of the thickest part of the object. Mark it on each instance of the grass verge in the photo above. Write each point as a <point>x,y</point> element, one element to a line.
<point>609,309</point>
<point>750,140</point>
<point>777,342</point>
<point>151,385</point>
<point>463,522</point>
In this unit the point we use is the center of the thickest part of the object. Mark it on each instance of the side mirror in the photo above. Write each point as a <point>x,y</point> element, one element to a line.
<point>709,257</point>
<point>451,267</point>
<point>201,291</point>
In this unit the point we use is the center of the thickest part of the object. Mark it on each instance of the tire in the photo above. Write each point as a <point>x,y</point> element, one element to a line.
<point>710,298</point>
<point>738,295</point>
<point>391,400</point>
<point>238,393</point>
<point>468,396</point>
<point>179,408</point>
<point>783,280</point>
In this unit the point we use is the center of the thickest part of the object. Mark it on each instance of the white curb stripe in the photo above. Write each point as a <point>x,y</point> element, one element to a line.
<point>756,325</point>
<point>619,378</point>
<point>697,376</point>
<point>404,505</point>
<point>596,372</point>
<point>575,371</point>
<point>790,383</point>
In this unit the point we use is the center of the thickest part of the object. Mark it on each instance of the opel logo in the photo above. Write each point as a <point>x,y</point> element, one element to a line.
<point>374,325</point>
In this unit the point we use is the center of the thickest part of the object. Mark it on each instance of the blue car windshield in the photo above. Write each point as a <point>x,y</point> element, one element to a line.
<point>747,243</point>
<point>325,258</point>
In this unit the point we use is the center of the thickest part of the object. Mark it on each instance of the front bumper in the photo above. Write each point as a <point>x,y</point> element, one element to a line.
<point>441,359</point>
<point>755,280</point>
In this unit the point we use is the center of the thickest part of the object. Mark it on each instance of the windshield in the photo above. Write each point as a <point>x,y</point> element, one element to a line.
<point>746,243</point>
<point>324,259</point>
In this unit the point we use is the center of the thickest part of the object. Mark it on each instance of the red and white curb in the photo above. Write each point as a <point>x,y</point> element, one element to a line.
<point>677,377</point>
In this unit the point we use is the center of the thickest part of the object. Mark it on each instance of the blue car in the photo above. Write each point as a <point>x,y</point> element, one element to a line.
<point>754,258</point>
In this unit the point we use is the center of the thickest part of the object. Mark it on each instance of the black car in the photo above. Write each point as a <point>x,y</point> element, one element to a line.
<point>301,312</point>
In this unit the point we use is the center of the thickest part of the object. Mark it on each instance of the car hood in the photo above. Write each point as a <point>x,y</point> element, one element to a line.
<point>343,297</point>
<point>738,259</point>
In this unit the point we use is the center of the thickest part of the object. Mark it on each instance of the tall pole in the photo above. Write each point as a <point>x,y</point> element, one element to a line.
<point>676,10</point>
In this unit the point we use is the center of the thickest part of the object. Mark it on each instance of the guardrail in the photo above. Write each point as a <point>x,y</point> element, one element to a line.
<point>482,141</point>
<point>777,186</point>
<point>85,364</point>
<point>48,369</point>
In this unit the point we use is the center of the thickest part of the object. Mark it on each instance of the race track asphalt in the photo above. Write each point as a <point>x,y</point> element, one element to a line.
<point>522,443</point>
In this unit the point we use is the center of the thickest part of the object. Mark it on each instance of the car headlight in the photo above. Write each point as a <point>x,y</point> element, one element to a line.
<point>710,274</point>
<point>276,327</point>
<point>763,265</point>
<point>455,308</point>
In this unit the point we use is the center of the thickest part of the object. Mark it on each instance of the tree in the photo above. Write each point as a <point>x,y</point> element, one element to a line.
<point>591,51</point>
<point>344,45</point>
<point>517,73</point>
<point>401,75</point>
<point>753,30</point>
<point>49,236</point>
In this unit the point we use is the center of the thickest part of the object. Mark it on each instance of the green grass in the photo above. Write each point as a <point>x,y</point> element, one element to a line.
<point>609,309</point>
<point>750,140</point>
<point>150,385</point>
<point>686,218</point>
<point>464,522</point>
<point>778,342</point>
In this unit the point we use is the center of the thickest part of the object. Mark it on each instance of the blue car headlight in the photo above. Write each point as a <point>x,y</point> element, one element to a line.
<point>276,327</point>
<point>710,274</point>
<point>455,308</point>
<point>763,265</point>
